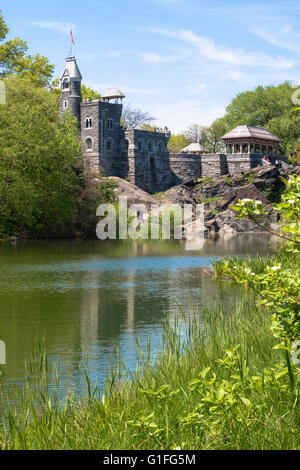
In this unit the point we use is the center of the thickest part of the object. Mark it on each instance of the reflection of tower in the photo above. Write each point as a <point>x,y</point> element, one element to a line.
<point>89,317</point>
<point>130,300</point>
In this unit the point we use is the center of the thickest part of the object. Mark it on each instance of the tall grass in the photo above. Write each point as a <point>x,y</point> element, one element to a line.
<point>200,391</point>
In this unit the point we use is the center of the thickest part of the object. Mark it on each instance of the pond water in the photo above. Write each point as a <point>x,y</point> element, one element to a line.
<point>86,297</point>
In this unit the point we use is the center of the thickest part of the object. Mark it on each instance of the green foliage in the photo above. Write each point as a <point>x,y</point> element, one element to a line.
<point>247,178</point>
<point>93,193</point>
<point>39,164</point>
<point>177,142</point>
<point>209,200</point>
<point>212,135</point>
<point>295,153</point>
<point>267,107</point>
<point>148,127</point>
<point>205,179</point>
<point>14,60</point>
<point>89,94</point>
<point>201,392</point>
<point>277,286</point>
<point>159,195</point>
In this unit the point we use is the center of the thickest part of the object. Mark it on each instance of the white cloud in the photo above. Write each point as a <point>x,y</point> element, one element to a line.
<point>279,37</point>
<point>207,47</point>
<point>53,25</point>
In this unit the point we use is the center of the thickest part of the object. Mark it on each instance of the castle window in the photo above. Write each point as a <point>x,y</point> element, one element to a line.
<point>89,144</point>
<point>88,123</point>
<point>66,84</point>
<point>65,104</point>
<point>109,145</point>
<point>140,146</point>
<point>109,124</point>
<point>150,147</point>
<point>160,147</point>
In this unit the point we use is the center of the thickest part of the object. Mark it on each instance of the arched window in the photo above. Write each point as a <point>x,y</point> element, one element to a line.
<point>150,146</point>
<point>160,147</point>
<point>66,84</point>
<point>140,145</point>
<point>109,124</point>
<point>109,145</point>
<point>89,144</point>
<point>65,104</point>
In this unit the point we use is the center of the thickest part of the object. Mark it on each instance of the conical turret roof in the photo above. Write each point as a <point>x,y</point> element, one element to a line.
<point>71,70</point>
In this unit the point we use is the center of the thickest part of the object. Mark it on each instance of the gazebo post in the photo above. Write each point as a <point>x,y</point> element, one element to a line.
<point>249,147</point>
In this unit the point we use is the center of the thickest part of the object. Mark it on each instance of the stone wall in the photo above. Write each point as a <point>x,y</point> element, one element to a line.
<point>100,122</point>
<point>188,166</point>
<point>148,160</point>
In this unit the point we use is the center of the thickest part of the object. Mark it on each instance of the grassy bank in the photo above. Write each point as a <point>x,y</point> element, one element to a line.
<point>221,386</point>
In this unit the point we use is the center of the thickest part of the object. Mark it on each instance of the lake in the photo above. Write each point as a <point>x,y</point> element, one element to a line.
<point>88,297</point>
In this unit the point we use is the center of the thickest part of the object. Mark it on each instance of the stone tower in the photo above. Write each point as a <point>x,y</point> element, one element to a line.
<point>70,98</point>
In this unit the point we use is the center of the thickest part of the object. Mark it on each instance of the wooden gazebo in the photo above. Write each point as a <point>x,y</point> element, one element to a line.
<point>247,139</point>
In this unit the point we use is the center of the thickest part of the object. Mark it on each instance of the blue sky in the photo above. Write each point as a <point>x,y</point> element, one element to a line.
<point>182,60</point>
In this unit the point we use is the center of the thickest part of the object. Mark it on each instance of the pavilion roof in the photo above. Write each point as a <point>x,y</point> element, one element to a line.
<point>194,147</point>
<point>241,132</point>
<point>113,93</point>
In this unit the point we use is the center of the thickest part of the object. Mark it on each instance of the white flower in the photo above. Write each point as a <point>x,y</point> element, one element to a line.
<point>276,268</point>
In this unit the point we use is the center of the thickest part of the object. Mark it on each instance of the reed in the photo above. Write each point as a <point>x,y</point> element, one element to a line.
<point>214,383</point>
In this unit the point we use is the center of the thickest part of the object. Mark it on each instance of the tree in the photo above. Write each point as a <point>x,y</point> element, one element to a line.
<point>295,153</point>
<point>278,286</point>
<point>177,142</point>
<point>212,135</point>
<point>14,60</point>
<point>195,133</point>
<point>268,107</point>
<point>89,94</point>
<point>135,118</point>
<point>39,162</point>
<point>148,127</point>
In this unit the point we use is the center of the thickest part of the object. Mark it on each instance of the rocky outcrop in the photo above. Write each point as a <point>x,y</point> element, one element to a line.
<point>218,196</point>
<point>134,194</point>
<point>220,217</point>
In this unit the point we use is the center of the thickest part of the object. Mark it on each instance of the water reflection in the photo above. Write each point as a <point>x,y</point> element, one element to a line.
<point>84,297</point>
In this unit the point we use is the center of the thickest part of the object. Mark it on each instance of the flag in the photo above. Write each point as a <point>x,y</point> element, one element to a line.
<point>71,36</point>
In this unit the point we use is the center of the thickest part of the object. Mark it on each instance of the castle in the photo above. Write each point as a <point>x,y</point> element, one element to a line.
<point>142,156</point>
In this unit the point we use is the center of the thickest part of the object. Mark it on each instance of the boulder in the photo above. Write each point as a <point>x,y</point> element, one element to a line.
<point>134,194</point>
